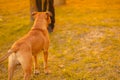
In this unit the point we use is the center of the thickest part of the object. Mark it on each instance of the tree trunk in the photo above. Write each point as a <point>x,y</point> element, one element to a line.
<point>33,5</point>
<point>60,2</point>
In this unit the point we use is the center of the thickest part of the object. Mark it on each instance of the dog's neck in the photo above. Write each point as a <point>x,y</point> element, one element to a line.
<point>40,24</point>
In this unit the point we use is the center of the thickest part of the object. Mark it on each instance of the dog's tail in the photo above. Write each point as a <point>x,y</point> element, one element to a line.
<point>6,56</point>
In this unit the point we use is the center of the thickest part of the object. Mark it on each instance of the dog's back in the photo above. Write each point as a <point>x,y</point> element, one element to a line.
<point>34,41</point>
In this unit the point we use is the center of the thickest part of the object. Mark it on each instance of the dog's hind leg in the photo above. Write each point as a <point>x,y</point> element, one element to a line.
<point>27,72</point>
<point>36,70</point>
<point>11,65</point>
<point>25,59</point>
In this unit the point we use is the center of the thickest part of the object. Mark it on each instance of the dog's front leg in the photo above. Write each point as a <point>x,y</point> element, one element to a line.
<point>46,62</point>
<point>36,70</point>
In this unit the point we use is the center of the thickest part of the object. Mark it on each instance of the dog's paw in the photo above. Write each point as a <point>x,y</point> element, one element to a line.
<point>47,72</point>
<point>36,72</point>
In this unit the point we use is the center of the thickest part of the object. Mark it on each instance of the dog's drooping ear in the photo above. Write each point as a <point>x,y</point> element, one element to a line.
<point>49,14</point>
<point>34,14</point>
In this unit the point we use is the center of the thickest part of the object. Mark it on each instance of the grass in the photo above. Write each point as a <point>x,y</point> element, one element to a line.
<point>85,44</point>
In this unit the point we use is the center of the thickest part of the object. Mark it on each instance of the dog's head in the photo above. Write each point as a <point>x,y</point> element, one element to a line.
<point>42,15</point>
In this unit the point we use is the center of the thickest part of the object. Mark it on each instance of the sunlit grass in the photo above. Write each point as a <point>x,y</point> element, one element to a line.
<point>85,44</point>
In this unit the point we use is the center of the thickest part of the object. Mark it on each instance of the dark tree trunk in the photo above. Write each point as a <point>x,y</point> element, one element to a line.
<point>43,5</point>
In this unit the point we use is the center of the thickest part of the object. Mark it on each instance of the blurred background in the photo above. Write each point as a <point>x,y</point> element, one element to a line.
<point>85,43</point>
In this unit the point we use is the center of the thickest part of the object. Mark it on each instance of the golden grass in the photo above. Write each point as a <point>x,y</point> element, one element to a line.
<point>84,46</point>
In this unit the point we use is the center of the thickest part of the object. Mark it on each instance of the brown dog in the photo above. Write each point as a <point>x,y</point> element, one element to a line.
<point>31,44</point>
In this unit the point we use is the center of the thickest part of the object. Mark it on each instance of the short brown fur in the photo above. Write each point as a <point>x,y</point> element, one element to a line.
<point>35,41</point>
